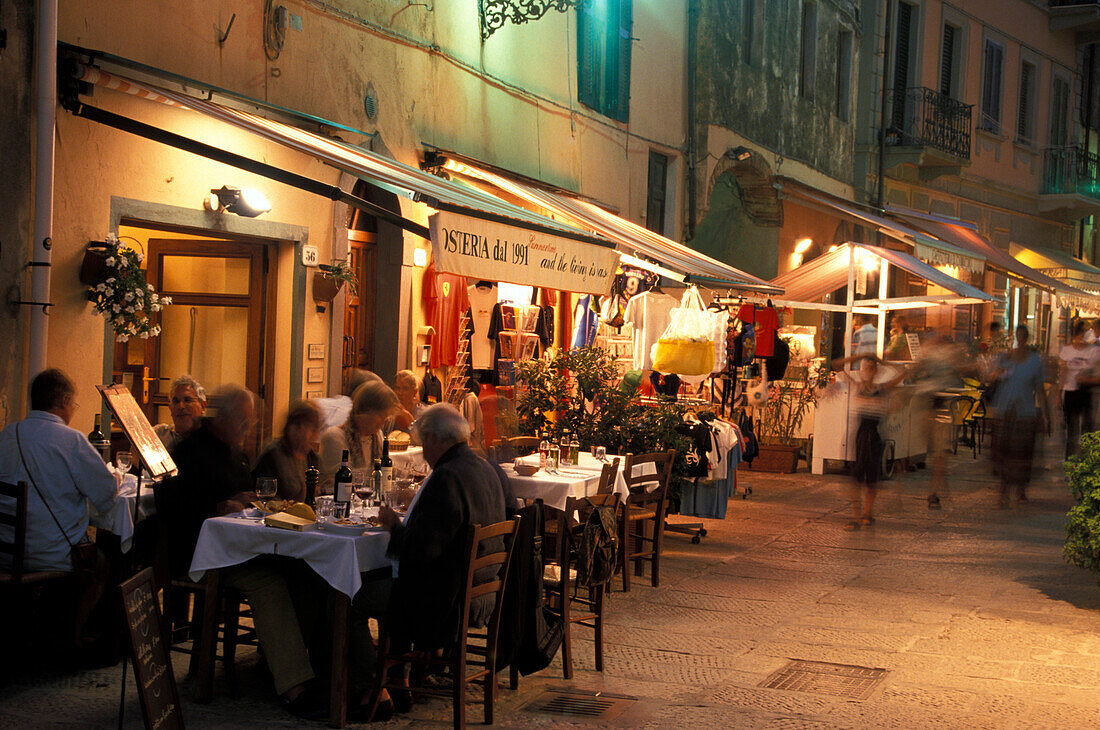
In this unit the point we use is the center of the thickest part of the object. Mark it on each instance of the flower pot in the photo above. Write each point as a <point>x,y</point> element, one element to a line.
<point>776,459</point>
<point>93,269</point>
<point>324,288</point>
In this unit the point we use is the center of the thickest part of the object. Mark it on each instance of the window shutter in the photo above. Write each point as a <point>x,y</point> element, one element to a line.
<point>619,54</point>
<point>901,63</point>
<point>1023,118</point>
<point>587,69</point>
<point>991,88</point>
<point>655,194</point>
<point>947,60</point>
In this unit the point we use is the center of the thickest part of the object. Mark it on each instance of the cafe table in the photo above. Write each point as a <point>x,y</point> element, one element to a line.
<point>338,558</point>
<point>579,480</point>
<point>119,519</point>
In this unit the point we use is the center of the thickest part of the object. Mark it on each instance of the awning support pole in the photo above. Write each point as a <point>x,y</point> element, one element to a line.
<point>271,172</point>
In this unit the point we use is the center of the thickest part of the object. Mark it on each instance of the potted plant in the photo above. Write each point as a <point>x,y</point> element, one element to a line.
<point>1082,547</point>
<point>789,402</point>
<point>329,278</point>
<point>123,296</point>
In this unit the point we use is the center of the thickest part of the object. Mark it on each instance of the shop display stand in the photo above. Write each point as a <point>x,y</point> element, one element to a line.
<point>456,383</point>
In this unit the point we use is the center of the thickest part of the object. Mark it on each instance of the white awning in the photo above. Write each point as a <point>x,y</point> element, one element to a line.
<point>1058,265</point>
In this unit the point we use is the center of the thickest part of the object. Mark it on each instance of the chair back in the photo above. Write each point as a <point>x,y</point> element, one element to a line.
<point>647,488</point>
<point>607,477</point>
<point>523,445</point>
<point>13,512</point>
<point>494,543</point>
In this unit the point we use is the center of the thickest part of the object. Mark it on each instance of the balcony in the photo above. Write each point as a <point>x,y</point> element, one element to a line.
<point>1080,16</point>
<point>1071,183</point>
<point>929,130</point>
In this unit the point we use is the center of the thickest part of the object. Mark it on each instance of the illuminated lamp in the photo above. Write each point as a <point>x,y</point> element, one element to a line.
<point>803,246</point>
<point>740,154</point>
<point>248,202</point>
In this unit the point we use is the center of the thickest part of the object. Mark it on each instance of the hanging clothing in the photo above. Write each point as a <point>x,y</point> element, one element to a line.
<point>648,312</point>
<point>775,365</point>
<point>585,322</point>
<point>545,327</point>
<point>445,300</point>
<point>483,302</point>
<point>431,389</point>
<point>765,322</point>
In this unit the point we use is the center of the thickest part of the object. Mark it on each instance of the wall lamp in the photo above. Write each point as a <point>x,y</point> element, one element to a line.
<point>740,154</point>
<point>248,202</point>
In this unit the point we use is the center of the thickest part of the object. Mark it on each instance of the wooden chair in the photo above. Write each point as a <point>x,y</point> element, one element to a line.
<point>523,445</point>
<point>562,593</point>
<point>964,427</point>
<point>644,509</point>
<point>473,647</point>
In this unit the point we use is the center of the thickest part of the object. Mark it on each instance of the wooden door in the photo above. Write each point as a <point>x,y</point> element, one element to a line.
<point>359,309</point>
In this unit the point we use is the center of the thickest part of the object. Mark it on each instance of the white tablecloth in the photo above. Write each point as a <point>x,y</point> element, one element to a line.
<point>580,480</point>
<point>120,518</point>
<point>339,559</point>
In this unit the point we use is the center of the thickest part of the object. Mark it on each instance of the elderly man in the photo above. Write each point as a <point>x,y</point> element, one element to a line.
<point>407,388</point>
<point>214,479</point>
<point>64,473</point>
<point>187,403</point>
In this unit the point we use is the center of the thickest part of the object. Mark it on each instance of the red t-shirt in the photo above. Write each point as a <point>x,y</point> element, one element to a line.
<point>766,322</point>
<point>445,299</point>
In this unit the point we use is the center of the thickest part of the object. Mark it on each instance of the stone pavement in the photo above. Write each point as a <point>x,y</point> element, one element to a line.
<point>971,611</point>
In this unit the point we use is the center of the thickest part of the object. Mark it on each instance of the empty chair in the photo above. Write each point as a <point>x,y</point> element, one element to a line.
<point>642,525</point>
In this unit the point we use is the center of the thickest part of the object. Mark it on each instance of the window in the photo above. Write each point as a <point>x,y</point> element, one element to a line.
<point>603,56</point>
<point>1059,112</point>
<point>1025,114</point>
<point>656,193</point>
<point>843,74</point>
<point>992,83</point>
<point>903,37</point>
<point>751,31</point>
<point>809,51</point>
<point>949,61</point>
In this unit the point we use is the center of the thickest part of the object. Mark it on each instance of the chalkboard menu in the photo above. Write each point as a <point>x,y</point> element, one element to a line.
<point>138,429</point>
<point>156,682</point>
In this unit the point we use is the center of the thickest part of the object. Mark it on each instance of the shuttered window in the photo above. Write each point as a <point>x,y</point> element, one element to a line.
<point>902,50</point>
<point>947,61</point>
<point>992,83</point>
<point>656,193</point>
<point>748,31</point>
<point>1025,114</point>
<point>808,62</point>
<point>1059,112</point>
<point>603,56</point>
<point>843,74</point>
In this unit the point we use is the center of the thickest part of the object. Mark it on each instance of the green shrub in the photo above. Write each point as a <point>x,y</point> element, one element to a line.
<point>1082,546</point>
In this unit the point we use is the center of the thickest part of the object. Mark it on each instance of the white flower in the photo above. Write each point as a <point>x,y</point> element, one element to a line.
<point>139,257</point>
<point>165,300</point>
<point>149,287</point>
<point>110,261</point>
<point>155,331</point>
<point>110,280</point>
<point>129,296</point>
<point>130,309</point>
<point>100,287</point>
<point>123,338</point>
<point>109,291</point>
<point>116,308</point>
<point>144,335</point>
<point>154,307</point>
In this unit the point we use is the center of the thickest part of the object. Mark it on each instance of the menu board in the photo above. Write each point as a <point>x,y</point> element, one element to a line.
<point>156,682</point>
<point>913,341</point>
<point>144,440</point>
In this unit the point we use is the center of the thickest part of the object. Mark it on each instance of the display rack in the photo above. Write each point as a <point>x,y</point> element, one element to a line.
<point>456,383</point>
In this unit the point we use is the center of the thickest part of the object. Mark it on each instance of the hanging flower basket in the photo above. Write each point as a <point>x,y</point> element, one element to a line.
<point>330,278</point>
<point>121,293</point>
<point>324,288</point>
<point>94,269</point>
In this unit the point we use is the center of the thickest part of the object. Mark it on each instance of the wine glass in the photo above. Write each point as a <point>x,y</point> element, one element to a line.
<point>123,461</point>
<point>266,488</point>
<point>600,452</point>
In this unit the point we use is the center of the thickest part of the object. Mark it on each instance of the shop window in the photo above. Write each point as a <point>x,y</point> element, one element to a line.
<point>1025,113</point>
<point>992,86</point>
<point>843,74</point>
<point>656,193</point>
<point>603,56</point>
<point>808,60</point>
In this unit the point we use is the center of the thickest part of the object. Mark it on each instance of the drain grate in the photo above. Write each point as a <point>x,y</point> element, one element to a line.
<point>840,680</point>
<point>580,704</point>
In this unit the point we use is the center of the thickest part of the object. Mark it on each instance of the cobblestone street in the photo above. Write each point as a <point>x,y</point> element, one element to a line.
<point>971,611</point>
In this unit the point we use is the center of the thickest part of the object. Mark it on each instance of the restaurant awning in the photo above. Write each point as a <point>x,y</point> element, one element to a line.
<point>966,236</point>
<point>929,248</point>
<point>635,243</point>
<point>1059,265</point>
<point>829,272</point>
<point>479,235</point>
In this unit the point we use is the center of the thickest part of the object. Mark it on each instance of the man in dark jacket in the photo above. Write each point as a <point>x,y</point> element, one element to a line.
<point>430,546</point>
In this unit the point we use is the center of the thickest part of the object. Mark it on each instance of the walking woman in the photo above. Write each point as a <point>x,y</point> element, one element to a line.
<point>1078,374</point>
<point>1020,377</point>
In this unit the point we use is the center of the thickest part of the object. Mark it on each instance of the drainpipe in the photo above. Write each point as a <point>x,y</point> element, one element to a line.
<point>46,108</point>
<point>689,224</point>
<point>882,111</point>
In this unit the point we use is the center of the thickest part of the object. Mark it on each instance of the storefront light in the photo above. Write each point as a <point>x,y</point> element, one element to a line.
<point>803,246</point>
<point>420,257</point>
<point>246,202</point>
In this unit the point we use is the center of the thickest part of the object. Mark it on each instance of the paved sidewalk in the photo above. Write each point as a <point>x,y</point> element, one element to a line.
<point>971,611</point>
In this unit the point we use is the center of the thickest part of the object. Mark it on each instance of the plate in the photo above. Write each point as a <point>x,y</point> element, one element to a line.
<point>355,529</point>
<point>252,513</point>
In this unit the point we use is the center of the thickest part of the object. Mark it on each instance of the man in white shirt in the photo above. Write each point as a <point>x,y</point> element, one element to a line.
<point>59,465</point>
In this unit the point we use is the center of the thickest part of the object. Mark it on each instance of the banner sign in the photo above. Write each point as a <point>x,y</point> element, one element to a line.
<point>937,256</point>
<point>482,249</point>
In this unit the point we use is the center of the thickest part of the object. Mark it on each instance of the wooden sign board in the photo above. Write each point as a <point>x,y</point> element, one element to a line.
<point>156,682</point>
<point>149,448</point>
<point>914,345</point>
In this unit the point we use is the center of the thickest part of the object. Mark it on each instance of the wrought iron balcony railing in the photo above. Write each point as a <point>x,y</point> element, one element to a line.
<point>1071,170</point>
<point>922,117</point>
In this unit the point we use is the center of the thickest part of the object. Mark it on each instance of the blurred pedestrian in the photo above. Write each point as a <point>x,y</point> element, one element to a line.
<point>941,366</point>
<point>870,387</point>
<point>1020,377</point>
<point>1078,374</point>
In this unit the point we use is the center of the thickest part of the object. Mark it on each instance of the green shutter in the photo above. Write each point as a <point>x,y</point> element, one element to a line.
<point>619,56</point>
<point>586,56</point>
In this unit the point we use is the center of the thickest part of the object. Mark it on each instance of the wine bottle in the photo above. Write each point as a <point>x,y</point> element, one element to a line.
<point>341,487</point>
<point>313,477</point>
<point>376,481</point>
<point>386,466</point>
<point>564,450</point>
<point>101,443</point>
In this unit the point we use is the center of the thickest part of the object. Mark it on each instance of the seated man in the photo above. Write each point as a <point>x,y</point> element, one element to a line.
<point>64,473</point>
<point>214,479</point>
<point>407,388</point>
<point>287,457</point>
<point>187,402</point>
<point>430,546</point>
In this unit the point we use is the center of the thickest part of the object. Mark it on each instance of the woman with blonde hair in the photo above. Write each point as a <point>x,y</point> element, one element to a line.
<point>372,404</point>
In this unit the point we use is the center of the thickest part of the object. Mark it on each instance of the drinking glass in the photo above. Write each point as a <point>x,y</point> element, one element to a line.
<point>325,507</point>
<point>124,460</point>
<point>266,488</point>
<point>600,452</point>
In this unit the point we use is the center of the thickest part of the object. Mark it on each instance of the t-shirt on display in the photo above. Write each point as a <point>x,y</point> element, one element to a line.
<point>648,312</point>
<point>482,347</point>
<point>444,297</point>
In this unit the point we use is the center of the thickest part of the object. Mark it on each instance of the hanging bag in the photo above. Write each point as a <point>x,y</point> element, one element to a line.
<point>687,345</point>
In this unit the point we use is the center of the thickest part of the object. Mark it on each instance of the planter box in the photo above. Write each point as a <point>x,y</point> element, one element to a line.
<point>324,288</point>
<point>775,459</point>
<point>93,268</point>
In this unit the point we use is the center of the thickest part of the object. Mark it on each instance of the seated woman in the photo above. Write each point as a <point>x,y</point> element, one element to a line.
<point>187,403</point>
<point>287,457</point>
<point>373,403</point>
<point>406,386</point>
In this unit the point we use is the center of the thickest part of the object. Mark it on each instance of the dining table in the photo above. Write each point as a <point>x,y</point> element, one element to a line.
<point>555,487</point>
<point>338,558</point>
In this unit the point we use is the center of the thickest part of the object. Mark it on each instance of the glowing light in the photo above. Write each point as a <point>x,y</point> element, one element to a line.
<point>803,246</point>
